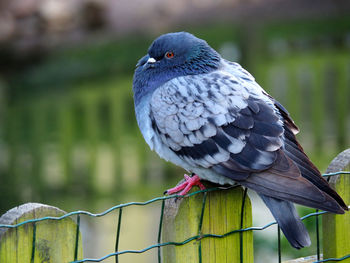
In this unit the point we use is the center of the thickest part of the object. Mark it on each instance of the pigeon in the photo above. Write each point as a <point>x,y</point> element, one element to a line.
<point>209,116</point>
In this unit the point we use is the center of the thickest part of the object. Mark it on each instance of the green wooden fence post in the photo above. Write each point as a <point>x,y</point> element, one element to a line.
<point>317,101</point>
<point>342,94</point>
<point>222,214</point>
<point>66,140</point>
<point>92,137</point>
<point>55,241</point>
<point>336,228</point>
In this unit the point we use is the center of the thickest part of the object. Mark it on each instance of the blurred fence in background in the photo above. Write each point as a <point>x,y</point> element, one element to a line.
<point>315,89</point>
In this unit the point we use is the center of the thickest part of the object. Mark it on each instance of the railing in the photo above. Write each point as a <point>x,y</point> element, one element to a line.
<point>213,225</point>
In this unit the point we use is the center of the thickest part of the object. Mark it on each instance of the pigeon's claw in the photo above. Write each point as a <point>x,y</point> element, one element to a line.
<point>186,186</point>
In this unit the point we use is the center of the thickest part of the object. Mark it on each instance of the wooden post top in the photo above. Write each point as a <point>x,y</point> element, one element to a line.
<point>42,241</point>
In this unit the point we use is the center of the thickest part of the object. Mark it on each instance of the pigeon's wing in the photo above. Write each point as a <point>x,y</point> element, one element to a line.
<point>307,169</point>
<point>228,125</point>
<point>295,152</point>
<point>212,120</point>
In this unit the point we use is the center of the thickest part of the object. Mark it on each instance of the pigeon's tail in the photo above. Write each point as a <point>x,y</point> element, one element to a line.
<point>288,220</point>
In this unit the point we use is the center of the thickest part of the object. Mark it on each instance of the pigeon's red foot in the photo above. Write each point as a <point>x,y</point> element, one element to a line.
<point>186,186</point>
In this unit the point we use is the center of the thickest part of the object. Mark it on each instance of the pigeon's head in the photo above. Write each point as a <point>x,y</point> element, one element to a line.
<point>173,55</point>
<point>180,51</point>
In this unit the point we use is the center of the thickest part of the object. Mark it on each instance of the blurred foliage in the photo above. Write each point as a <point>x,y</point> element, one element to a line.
<point>64,69</point>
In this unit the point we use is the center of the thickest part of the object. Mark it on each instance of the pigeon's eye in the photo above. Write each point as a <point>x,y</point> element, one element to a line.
<point>169,54</point>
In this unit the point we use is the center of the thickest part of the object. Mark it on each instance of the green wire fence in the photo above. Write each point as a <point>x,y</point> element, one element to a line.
<point>159,244</point>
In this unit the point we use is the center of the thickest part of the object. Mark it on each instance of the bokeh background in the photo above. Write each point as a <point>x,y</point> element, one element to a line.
<point>68,135</point>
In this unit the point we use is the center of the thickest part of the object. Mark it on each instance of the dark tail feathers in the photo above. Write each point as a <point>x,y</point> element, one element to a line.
<point>289,221</point>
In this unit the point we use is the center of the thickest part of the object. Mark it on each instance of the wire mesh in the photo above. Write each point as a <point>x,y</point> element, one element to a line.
<point>158,245</point>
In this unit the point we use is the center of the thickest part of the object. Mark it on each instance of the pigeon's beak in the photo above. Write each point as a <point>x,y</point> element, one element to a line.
<point>146,60</point>
<point>151,61</point>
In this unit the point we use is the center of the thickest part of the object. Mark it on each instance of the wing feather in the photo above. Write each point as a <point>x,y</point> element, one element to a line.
<point>224,125</point>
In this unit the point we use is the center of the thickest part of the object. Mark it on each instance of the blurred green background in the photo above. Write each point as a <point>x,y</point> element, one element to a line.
<point>68,135</point>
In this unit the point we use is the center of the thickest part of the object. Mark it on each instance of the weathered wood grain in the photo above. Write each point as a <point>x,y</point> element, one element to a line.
<point>222,214</point>
<point>54,240</point>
